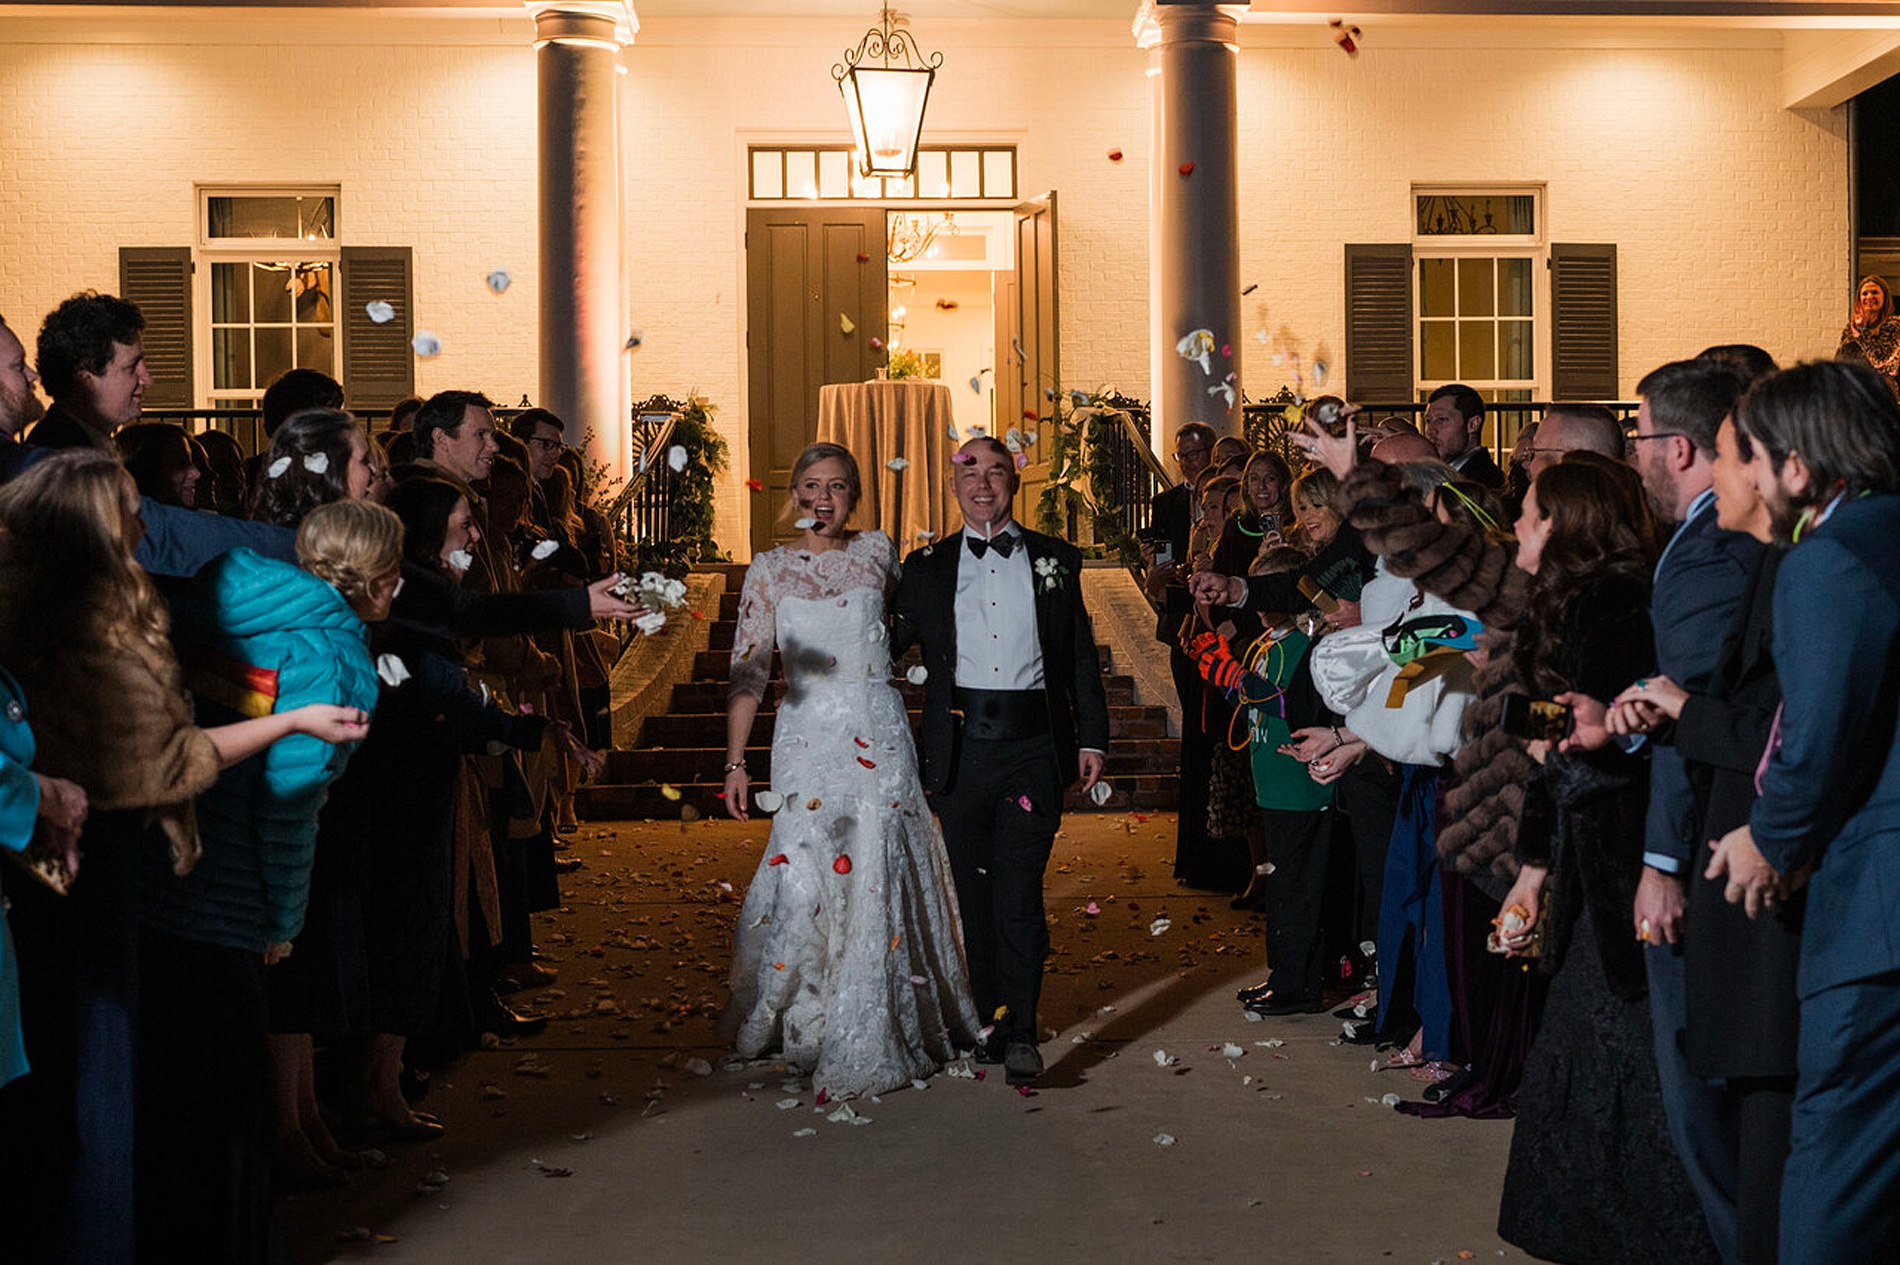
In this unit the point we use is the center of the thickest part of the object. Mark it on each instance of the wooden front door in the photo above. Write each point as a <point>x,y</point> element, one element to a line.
<point>1029,383</point>
<point>806,267</point>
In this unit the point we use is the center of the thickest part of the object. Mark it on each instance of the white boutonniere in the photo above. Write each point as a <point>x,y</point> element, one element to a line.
<point>1050,575</point>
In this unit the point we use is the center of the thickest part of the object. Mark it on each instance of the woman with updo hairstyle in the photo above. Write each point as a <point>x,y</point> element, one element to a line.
<point>256,635</point>
<point>318,455</point>
<point>88,639</point>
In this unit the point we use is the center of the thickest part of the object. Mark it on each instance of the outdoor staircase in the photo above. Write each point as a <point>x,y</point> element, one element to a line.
<point>684,749</point>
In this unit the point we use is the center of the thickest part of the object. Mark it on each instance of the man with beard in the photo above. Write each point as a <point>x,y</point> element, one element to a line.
<point>19,405</point>
<point>1700,581</point>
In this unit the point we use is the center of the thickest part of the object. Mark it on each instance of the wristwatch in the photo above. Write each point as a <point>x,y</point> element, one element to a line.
<point>736,766</point>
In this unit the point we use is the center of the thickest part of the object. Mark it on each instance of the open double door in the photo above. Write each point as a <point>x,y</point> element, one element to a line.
<point>811,272</point>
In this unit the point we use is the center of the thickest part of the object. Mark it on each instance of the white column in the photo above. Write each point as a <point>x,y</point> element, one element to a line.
<point>583,268</point>
<point>1194,218</point>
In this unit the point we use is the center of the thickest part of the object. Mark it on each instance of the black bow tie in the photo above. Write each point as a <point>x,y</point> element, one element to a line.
<point>1004,544</point>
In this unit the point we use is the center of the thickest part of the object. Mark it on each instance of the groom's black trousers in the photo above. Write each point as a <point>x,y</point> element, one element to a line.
<point>999,821</point>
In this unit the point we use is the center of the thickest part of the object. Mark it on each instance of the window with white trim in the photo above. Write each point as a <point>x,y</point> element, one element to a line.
<point>268,286</point>
<point>1481,293</point>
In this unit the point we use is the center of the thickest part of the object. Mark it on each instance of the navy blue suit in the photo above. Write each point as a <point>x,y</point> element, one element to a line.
<point>1699,585</point>
<point>1831,798</point>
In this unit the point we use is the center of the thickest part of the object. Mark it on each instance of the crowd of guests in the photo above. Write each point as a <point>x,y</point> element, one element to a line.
<point>1586,770</point>
<point>289,745</point>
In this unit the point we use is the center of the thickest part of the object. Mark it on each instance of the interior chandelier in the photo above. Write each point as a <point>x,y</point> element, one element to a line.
<point>886,84</point>
<point>911,236</point>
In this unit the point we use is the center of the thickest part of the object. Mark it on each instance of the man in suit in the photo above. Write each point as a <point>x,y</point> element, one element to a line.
<point>1454,422</point>
<point>1013,702</point>
<point>19,405</point>
<point>1699,582</point>
<point>92,359</point>
<point>1826,438</point>
<point>1173,517</point>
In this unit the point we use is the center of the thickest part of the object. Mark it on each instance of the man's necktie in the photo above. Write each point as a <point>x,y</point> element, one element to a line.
<point>1002,544</point>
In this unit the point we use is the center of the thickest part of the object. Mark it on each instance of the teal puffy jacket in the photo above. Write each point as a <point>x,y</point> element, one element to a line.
<point>257,636</point>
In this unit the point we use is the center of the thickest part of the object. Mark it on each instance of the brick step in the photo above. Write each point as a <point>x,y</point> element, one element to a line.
<point>697,729</point>
<point>680,765</point>
<point>1140,793</point>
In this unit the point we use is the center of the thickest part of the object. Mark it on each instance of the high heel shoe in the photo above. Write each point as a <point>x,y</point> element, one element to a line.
<point>1253,899</point>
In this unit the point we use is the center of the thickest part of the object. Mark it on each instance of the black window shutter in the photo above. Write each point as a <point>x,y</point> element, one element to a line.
<point>157,280</point>
<point>1379,323</point>
<point>1583,322</point>
<point>378,365</point>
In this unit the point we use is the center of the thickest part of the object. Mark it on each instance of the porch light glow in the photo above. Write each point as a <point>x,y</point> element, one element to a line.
<point>886,85</point>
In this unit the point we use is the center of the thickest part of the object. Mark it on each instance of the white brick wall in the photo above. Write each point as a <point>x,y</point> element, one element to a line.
<point>1730,213</point>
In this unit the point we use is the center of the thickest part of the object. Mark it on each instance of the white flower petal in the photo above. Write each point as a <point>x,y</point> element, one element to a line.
<point>379,312</point>
<point>634,340</point>
<point>767,801</point>
<point>545,550</point>
<point>917,674</point>
<point>499,280</point>
<point>316,462</point>
<point>391,669</point>
<point>804,523</point>
<point>897,463</point>
<point>276,468</point>
<point>426,344</point>
<point>461,559</point>
<point>676,457</point>
<point>1101,792</point>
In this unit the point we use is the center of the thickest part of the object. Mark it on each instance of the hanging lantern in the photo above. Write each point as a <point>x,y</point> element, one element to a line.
<point>886,85</point>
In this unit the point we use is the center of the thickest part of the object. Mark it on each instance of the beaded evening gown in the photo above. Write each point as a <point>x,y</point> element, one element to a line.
<point>848,958</point>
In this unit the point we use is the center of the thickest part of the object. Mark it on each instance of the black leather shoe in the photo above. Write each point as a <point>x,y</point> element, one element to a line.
<point>1254,992</point>
<point>1274,1004</point>
<point>506,1022</point>
<point>1022,1063</point>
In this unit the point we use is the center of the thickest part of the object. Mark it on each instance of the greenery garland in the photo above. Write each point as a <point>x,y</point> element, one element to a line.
<point>690,514</point>
<point>1081,471</point>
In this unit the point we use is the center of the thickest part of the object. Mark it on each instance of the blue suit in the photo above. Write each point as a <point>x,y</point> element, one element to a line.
<point>1831,798</point>
<point>1700,581</point>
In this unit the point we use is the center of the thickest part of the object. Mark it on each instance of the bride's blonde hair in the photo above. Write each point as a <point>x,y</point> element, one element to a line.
<point>811,457</point>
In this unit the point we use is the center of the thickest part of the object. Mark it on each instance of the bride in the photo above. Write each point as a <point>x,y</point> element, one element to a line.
<point>848,957</point>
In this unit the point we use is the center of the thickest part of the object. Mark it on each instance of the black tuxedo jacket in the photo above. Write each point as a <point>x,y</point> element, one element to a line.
<point>60,429</point>
<point>1481,469</point>
<point>924,615</point>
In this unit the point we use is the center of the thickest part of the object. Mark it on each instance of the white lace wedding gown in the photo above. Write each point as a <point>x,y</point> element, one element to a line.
<point>848,957</point>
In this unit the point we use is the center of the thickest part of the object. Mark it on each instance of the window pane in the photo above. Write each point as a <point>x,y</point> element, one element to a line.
<point>1436,296</point>
<point>1466,214</point>
<point>230,293</point>
<point>1438,351</point>
<point>1477,350</point>
<point>834,173</point>
<point>1475,289</point>
<point>768,174</point>
<point>310,218</point>
<point>270,291</point>
<point>999,173</point>
<point>316,349</point>
<point>1514,287</point>
<point>313,294</point>
<point>933,173</point>
<point>966,174</point>
<point>801,174</point>
<point>1514,350</point>
<point>273,354</point>
<point>231,359</point>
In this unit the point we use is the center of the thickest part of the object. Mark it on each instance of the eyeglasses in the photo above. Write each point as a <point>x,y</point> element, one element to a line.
<point>543,442</point>
<point>1658,434</point>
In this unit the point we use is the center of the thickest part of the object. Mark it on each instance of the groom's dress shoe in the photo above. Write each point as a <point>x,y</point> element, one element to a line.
<point>1275,1004</point>
<point>1022,1064</point>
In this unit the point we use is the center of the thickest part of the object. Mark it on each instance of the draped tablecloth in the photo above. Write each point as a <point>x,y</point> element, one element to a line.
<point>880,421</point>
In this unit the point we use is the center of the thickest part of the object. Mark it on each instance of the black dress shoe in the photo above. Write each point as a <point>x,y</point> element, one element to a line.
<point>1254,992</point>
<point>1022,1063</point>
<point>1274,1004</point>
<point>504,1021</point>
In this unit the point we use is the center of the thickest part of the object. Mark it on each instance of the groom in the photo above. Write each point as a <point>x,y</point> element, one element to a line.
<point>1013,707</point>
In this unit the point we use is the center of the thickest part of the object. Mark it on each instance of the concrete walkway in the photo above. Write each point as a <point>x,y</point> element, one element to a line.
<point>1168,1127</point>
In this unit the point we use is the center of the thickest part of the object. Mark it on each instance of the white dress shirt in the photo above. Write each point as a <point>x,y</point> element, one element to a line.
<point>997,645</point>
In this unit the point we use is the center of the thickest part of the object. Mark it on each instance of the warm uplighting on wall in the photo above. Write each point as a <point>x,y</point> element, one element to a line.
<point>886,85</point>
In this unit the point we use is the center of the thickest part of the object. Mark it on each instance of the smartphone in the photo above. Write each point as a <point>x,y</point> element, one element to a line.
<point>1164,553</point>
<point>1535,718</point>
